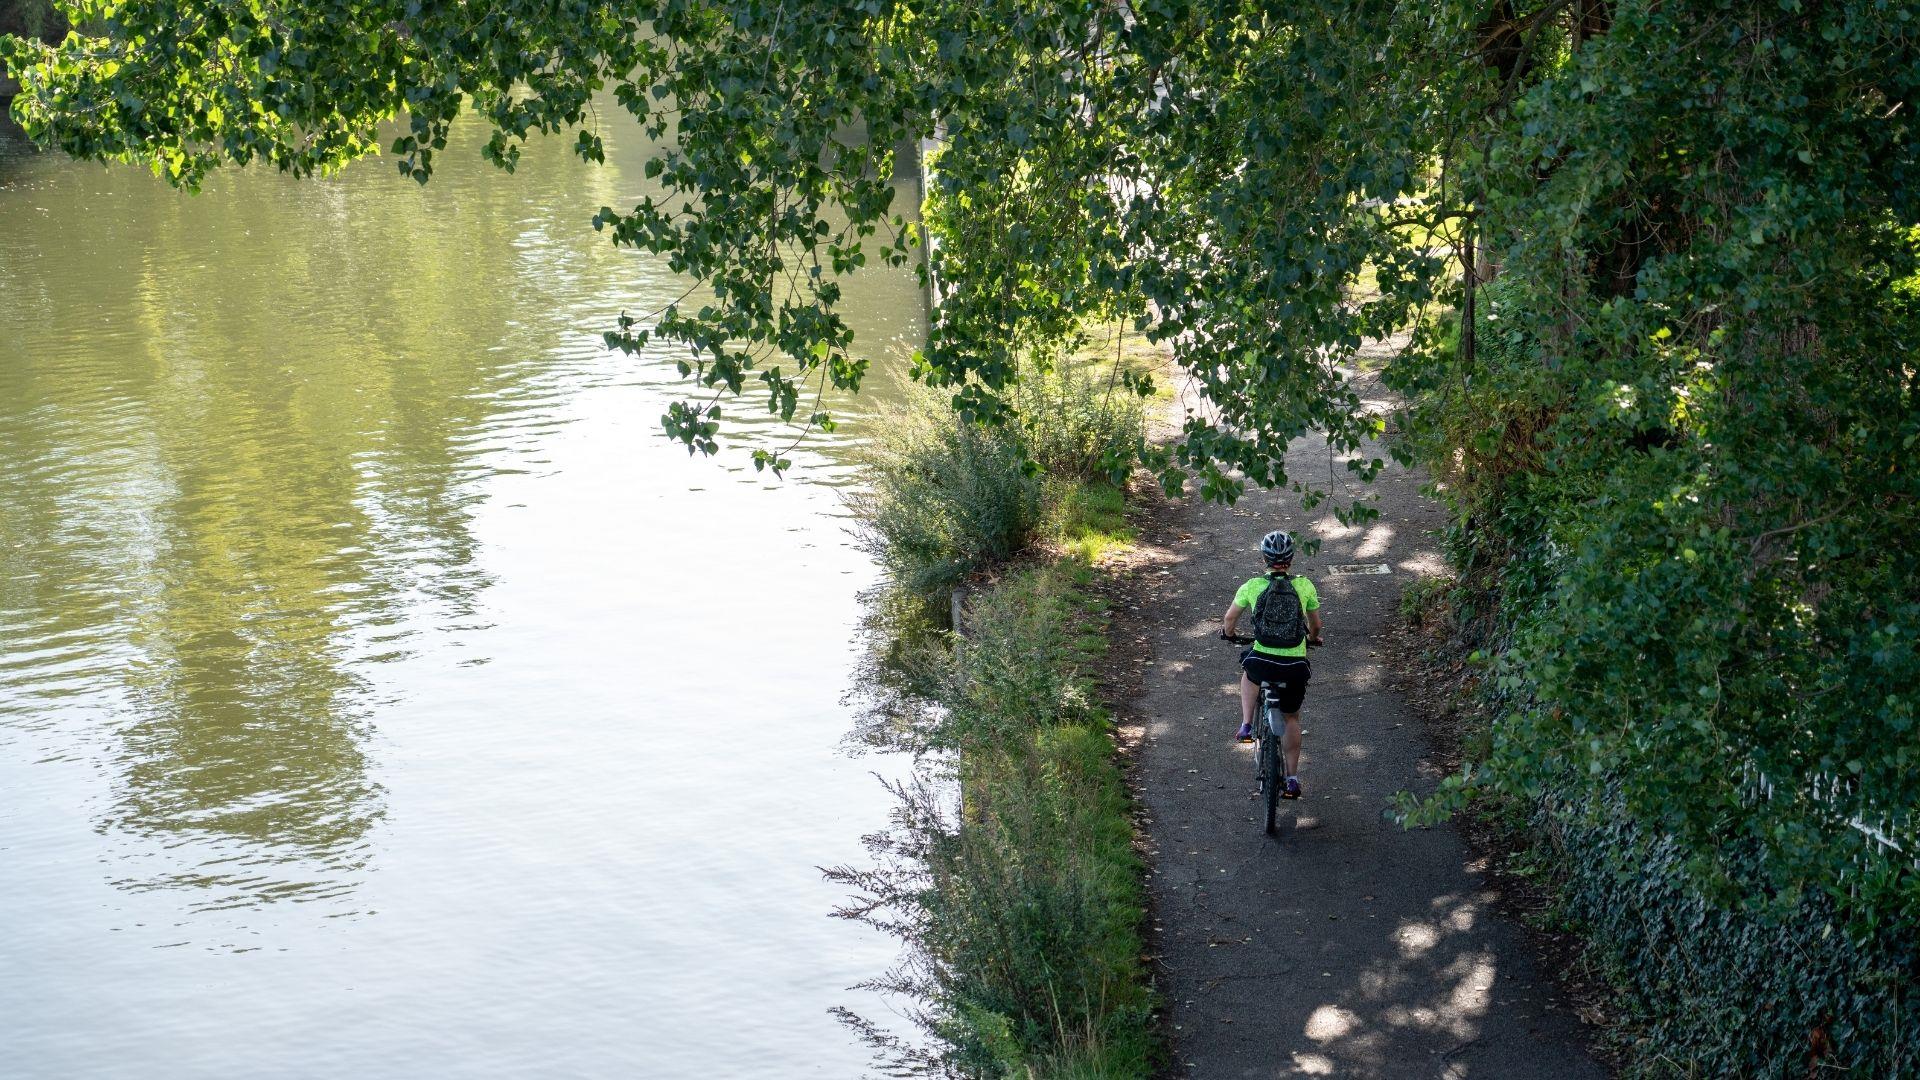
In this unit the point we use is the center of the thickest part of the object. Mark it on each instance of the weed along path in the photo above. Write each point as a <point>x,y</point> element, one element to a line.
<point>1347,947</point>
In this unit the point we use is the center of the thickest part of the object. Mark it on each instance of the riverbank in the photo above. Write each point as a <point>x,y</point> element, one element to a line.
<point>1011,872</point>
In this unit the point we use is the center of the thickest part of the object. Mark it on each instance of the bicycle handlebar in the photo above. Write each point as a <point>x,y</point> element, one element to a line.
<point>1241,639</point>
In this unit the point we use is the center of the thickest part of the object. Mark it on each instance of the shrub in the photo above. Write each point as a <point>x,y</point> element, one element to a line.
<point>1077,420</point>
<point>946,497</point>
<point>1694,587</point>
<point>1719,989</point>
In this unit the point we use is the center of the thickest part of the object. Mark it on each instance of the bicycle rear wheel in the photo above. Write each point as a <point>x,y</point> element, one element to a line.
<point>1270,779</point>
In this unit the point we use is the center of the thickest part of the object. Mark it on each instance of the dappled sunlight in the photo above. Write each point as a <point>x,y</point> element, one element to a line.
<point>1313,1064</point>
<point>1459,915</point>
<point>1415,939</point>
<point>1424,564</point>
<point>1376,542</point>
<point>1330,1022</point>
<point>1364,678</point>
<point>1429,983</point>
<point>1329,528</point>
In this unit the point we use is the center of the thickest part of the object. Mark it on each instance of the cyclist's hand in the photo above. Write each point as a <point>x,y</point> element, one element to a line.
<point>1315,641</point>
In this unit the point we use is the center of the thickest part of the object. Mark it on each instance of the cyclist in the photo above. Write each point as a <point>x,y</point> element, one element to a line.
<point>1285,667</point>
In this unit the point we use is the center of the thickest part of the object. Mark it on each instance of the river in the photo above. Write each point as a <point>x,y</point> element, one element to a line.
<point>381,693</point>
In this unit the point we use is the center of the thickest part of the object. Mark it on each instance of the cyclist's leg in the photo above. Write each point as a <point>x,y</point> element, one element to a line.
<point>1249,701</point>
<point>1290,704</point>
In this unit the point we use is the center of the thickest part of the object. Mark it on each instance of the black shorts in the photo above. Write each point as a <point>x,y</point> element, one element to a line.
<point>1287,675</point>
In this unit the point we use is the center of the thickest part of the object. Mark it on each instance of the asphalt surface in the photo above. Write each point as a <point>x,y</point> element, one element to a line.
<point>1347,946</point>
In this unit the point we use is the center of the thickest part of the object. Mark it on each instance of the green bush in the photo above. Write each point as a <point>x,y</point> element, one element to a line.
<point>1714,988</point>
<point>1696,592</point>
<point>1077,420</point>
<point>946,497</point>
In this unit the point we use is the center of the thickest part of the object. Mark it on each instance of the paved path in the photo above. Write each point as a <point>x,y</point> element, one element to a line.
<point>1349,947</point>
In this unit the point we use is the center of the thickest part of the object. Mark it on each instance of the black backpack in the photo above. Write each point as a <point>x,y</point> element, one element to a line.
<point>1279,622</point>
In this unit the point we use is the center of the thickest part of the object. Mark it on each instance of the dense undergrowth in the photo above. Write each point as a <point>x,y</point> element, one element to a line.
<point>1696,690</point>
<point>948,497</point>
<point>1010,871</point>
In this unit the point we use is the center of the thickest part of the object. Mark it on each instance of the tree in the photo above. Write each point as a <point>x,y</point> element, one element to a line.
<point>1093,162</point>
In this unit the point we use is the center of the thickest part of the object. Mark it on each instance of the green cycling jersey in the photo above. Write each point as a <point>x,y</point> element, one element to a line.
<point>1249,595</point>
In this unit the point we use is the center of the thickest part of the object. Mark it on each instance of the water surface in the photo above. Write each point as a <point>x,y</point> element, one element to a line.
<point>381,694</point>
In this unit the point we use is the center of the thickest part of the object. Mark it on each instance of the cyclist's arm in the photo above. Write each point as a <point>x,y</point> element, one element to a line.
<point>1313,624</point>
<point>1232,618</point>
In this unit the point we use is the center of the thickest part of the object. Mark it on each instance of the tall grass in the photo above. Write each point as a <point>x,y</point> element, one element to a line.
<point>1020,900</point>
<point>946,498</point>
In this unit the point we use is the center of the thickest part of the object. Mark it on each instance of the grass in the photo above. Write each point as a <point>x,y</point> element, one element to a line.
<point>1022,904</point>
<point>1088,521</point>
<point>1101,345</point>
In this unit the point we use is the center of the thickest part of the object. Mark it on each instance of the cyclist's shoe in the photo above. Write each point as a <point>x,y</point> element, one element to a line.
<point>1292,788</point>
<point>1245,734</point>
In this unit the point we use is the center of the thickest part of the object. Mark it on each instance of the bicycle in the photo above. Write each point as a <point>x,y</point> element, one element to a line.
<point>1267,767</point>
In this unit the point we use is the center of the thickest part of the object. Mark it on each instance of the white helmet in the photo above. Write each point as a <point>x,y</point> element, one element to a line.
<point>1277,547</point>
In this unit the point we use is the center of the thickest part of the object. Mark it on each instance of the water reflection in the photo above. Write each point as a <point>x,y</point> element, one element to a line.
<point>250,474</point>
<point>354,616</point>
<point>240,462</point>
